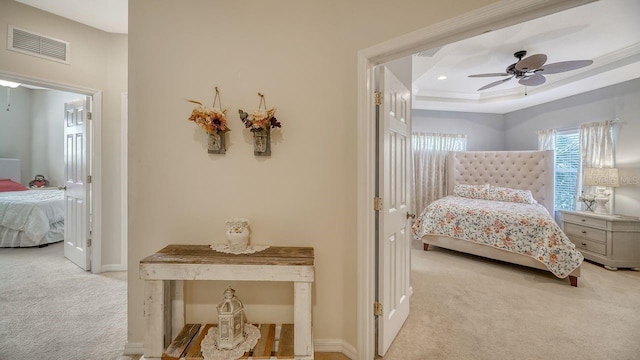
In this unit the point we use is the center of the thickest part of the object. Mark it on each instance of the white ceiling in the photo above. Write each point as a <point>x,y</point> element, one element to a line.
<point>606,31</point>
<point>106,15</point>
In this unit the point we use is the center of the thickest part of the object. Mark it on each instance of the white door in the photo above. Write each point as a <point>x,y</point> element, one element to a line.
<point>393,240</point>
<point>77,194</point>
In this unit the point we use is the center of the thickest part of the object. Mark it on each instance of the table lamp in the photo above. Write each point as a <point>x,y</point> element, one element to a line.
<point>601,178</point>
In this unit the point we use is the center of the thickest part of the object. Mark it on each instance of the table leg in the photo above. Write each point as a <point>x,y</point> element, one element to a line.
<point>154,318</point>
<point>302,339</point>
<point>177,307</point>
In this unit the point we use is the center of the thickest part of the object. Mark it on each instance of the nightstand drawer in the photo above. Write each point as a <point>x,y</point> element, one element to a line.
<point>596,247</point>
<point>584,220</point>
<point>585,232</point>
<point>610,240</point>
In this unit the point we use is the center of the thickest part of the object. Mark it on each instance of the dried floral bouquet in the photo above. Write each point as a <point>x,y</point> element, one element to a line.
<point>261,119</point>
<point>211,119</point>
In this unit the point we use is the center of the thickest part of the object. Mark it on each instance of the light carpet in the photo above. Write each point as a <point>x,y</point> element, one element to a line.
<point>51,309</point>
<point>467,307</point>
<point>464,307</point>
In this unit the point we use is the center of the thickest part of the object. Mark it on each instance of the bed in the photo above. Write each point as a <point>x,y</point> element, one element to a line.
<point>525,232</point>
<point>28,217</point>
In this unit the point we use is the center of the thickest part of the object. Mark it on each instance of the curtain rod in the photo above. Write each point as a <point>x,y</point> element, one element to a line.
<point>614,121</point>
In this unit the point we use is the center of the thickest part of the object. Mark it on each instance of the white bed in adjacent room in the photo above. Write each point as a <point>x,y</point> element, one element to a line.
<point>28,217</point>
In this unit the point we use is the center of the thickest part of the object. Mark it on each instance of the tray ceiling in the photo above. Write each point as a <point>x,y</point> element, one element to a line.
<point>606,31</point>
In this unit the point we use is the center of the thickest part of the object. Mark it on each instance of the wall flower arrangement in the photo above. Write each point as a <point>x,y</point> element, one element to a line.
<point>214,121</point>
<point>260,122</point>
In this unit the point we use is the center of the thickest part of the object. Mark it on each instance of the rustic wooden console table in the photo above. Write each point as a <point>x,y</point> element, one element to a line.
<point>164,272</point>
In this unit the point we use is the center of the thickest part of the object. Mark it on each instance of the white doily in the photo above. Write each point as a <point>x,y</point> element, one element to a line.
<point>210,350</point>
<point>224,248</point>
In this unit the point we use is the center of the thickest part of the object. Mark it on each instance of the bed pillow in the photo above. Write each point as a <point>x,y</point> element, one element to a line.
<point>500,193</point>
<point>471,191</point>
<point>9,185</point>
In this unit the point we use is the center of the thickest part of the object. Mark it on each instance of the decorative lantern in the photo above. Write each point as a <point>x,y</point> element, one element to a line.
<point>230,321</point>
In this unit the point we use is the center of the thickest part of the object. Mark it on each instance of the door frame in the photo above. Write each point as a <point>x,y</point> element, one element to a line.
<point>124,179</point>
<point>95,153</point>
<point>498,15</point>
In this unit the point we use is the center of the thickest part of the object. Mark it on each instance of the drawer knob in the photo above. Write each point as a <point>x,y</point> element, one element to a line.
<point>584,231</point>
<point>584,244</point>
<point>583,220</point>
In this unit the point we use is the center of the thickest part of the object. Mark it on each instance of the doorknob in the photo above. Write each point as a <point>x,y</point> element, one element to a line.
<point>411,216</point>
<point>62,188</point>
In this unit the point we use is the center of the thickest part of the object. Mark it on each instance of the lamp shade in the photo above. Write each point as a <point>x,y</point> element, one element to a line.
<point>607,177</point>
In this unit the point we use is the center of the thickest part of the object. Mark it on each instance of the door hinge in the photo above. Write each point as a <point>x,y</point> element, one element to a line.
<point>378,96</point>
<point>89,115</point>
<point>377,204</point>
<point>377,309</point>
<point>88,179</point>
<point>89,242</point>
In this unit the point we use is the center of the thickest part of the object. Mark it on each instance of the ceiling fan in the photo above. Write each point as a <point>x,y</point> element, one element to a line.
<point>531,70</point>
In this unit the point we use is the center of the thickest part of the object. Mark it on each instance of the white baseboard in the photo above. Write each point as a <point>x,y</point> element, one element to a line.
<point>113,267</point>
<point>133,348</point>
<point>319,345</point>
<point>335,345</point>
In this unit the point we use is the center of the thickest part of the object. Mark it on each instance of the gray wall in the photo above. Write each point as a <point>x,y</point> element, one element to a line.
<point>401,68</point>
<point>618,101</point>
<point>518,130</point>
<point>33,131</point>
<point>15,129</point>
<point>484,131</point>
<point>47,134</point>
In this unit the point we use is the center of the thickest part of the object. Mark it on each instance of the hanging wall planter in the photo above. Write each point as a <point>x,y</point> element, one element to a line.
<point>260,122</point>
<point>262,142</point>
<point>215,142</point>
<point>214,121</point>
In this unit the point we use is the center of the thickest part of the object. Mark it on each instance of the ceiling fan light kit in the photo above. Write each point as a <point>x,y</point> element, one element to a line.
<point>530,71</point>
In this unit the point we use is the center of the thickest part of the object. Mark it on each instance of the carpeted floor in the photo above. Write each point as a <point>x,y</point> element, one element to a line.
<point>466,307</point>
<point>51,309</point>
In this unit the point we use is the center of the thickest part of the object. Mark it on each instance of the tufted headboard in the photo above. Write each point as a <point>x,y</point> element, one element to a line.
<point>526,170</point>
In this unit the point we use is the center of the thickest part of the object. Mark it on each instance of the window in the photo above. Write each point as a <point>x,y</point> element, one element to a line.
<point>567,163</point>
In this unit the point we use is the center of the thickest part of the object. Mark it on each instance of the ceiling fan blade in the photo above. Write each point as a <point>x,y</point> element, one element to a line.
<point>495,83</point>
<point>533,80</point>
<point>489,75</point>
<point>532,62</point>
<point>563,66</point>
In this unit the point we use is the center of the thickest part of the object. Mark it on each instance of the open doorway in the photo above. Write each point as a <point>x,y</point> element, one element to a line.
<point>48,133</point>
<point>48,296</point>
<point>471,24</point>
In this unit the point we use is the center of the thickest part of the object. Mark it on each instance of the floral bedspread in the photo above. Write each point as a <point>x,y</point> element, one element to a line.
<point>525,229</point>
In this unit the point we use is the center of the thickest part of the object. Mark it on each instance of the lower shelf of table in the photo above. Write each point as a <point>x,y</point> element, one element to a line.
<point>276,342</point>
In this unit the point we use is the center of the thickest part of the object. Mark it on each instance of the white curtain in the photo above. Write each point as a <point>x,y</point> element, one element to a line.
<point>547,139</point>
<point>596,149</point>
<point>429,170</point>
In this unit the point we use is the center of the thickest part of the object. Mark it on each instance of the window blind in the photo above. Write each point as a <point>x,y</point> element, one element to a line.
<point>567,164</point>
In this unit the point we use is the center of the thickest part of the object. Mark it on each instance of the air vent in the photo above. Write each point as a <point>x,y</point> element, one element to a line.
<point>429,53</point>
<point>30,43</point>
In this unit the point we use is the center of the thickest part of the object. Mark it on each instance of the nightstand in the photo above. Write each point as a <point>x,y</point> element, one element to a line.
<point>611,240</point>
